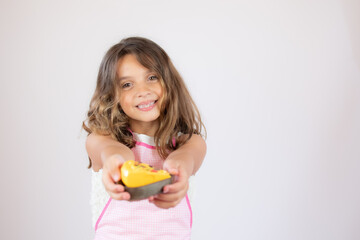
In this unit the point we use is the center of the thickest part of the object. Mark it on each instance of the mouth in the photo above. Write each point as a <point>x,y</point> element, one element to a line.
<point>146,106</point>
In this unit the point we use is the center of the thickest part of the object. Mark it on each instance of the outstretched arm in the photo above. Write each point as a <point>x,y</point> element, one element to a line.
<point>183,162</point>
<point>109,154</point>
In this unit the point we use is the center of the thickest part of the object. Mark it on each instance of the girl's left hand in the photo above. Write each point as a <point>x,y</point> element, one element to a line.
<point>175,192</point>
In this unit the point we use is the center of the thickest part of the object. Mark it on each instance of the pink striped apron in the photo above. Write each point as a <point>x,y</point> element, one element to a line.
<point>141,219</point>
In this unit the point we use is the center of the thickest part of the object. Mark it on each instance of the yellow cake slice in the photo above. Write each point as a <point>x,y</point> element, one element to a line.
<point>135,174</point>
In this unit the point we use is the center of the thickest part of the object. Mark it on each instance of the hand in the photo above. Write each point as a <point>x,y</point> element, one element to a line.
<point>173,193</point>
<point>111,175</point>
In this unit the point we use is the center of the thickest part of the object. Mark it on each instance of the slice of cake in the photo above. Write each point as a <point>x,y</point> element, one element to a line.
<point>135,174</point>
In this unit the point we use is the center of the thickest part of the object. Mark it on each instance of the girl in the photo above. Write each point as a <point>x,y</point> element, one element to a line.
<point>142,110</point>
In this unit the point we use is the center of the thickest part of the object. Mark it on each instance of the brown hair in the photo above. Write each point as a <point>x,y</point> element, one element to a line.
<point>178,113</point>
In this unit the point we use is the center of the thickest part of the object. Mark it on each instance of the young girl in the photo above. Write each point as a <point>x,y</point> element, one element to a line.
<point>141,110</point>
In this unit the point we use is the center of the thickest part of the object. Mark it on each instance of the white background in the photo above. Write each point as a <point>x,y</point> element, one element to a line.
<point>277,83</point>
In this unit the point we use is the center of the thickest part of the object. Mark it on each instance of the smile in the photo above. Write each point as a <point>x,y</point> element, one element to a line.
<point>146,106</point>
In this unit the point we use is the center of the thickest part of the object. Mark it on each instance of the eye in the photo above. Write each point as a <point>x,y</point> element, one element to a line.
<point>153,77</point>
<point>126,85</point>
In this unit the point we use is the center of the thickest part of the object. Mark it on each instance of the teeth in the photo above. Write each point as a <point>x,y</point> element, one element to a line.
<point>147,105</point>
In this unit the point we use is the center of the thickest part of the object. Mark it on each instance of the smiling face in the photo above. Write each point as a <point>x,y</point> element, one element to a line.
<point>140,95</point>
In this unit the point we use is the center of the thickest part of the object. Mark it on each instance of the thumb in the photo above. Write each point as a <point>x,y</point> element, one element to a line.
<point>113,165</point>
<point>172,168</point>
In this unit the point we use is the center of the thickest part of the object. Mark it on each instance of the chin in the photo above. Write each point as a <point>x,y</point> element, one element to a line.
<point>147,119</point>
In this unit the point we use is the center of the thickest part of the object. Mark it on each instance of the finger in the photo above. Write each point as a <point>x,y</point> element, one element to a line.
<point>109,184</point>
<point>171,197</point>
<point>120,196</point>
<point>173,171</point>
<point>115,191</point>
<point>113,165</point>
<point>171,166</point>
<point>164,204</point>
<point>175,187</point>
<point>180,183</point>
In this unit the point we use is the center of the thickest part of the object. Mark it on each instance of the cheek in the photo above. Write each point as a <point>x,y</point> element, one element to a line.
<point>124,102</point>
<point>160,93</point>
<point>159,90</point>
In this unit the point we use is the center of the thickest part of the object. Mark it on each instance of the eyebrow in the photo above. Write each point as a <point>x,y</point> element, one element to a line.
<point>126,77</point>
<point>123,78</point>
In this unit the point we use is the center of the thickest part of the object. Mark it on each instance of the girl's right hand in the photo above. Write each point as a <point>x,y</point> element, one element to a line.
<point>110,177</point>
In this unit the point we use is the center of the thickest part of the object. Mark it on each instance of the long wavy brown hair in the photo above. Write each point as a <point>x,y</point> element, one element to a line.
<point>178,112</point>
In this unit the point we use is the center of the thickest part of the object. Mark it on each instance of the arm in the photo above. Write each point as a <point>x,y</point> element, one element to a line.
<point>183,162</point>
<point>109,154</point>
<point>190,156</point>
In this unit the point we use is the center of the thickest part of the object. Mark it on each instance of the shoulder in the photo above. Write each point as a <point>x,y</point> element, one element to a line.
<point>193,137</point>
<point>194,140</point>
<point>94,141</point>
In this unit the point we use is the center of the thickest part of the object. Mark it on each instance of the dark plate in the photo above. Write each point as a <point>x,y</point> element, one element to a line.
<point>146,191</point>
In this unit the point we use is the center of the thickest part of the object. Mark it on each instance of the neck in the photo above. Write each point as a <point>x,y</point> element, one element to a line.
<point>147,128</point>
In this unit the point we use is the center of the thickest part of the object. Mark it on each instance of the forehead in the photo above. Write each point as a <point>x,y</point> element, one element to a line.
<point>129,65</point>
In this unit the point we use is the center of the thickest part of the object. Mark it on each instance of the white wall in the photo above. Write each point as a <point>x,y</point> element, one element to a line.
<point>277,82</point>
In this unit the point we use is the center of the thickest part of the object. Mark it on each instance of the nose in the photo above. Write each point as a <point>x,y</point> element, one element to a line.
<point>143,90</point>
